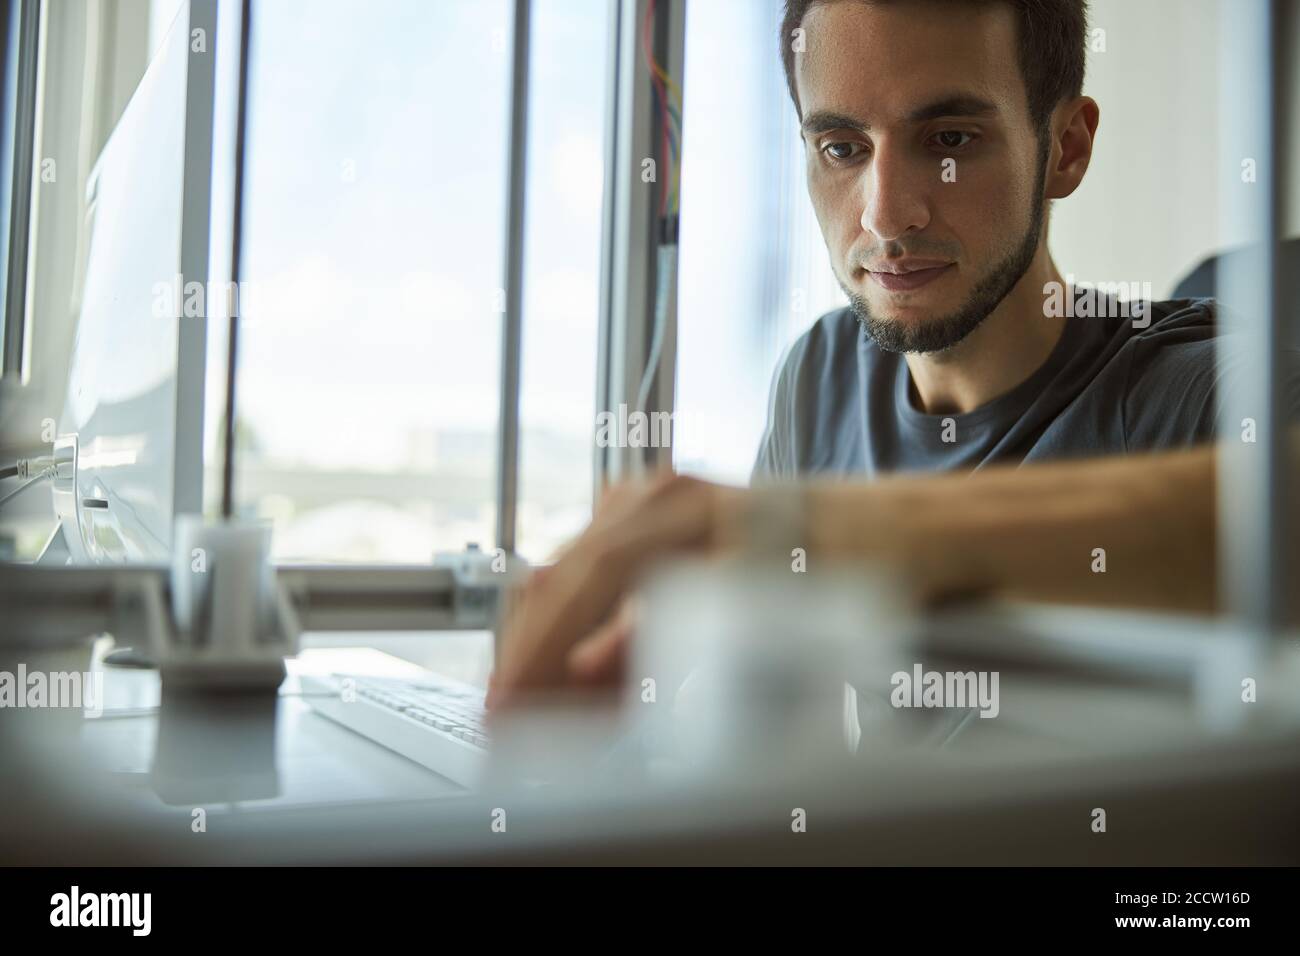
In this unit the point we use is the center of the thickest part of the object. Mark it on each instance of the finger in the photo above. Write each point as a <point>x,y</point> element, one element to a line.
<point>518,595</point>
<point>585,590</point>
<point>601,659</point>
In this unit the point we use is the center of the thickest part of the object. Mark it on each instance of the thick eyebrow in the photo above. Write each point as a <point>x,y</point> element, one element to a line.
<point>953,106</point>
<point>824,121</point>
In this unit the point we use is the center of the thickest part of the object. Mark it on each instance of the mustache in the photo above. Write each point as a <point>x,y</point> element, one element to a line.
<point>894,249</point>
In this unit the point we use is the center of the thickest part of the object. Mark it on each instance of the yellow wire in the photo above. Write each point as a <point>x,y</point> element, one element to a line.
<point>676,91</point>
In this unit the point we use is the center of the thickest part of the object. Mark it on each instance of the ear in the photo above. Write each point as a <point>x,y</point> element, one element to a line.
<point>1074,127</point>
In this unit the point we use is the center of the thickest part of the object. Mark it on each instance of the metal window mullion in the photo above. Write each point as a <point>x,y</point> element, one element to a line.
<point>1253,504</point>
<point>1285,313</point>
<point>670,48</point>
<point>512,326</point>
<point>629,259</point>
<point>23,102</point>
<point>196,219</point>
<point>228,442</point>
<point>608,240</point>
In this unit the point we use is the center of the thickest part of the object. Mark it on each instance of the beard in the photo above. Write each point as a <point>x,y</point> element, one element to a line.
<point>942,333</point>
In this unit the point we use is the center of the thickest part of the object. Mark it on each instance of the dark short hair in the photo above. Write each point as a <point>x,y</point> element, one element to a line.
<point>1051,39</point>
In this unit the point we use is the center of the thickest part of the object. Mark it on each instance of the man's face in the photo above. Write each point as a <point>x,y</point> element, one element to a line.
<point>925,248</point>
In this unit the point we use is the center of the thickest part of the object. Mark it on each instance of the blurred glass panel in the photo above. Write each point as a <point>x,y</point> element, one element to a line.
<point>89,68</point>
<point>753,271</point>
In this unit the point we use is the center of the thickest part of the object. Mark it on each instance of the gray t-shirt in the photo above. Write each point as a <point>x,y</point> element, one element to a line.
<point>840,405</point>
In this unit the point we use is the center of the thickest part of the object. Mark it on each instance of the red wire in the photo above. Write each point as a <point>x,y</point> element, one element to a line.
<point>663,107</point>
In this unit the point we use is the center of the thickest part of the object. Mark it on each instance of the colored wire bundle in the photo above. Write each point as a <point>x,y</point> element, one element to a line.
<point>668,104</point>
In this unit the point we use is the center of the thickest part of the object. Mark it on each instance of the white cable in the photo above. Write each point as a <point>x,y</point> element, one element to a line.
<point>666,273</point>
<point>35,467</point>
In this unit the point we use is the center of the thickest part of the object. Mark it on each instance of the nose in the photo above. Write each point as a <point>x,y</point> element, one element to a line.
<point>895,195</point>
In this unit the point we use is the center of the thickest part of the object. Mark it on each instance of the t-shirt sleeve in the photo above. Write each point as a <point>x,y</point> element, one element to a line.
<point>1230,375</point>
<point>774,460</point>
<point>1178,378</point>
<point>1169,402</point>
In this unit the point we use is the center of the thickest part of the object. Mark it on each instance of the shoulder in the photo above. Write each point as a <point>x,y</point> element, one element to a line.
<point>821,362</point>
<point>1171,367</point>
<point>823,355</point>
<point>1176,320</point>
<point>1172,334</point>
<point>829,339</point>
<point>1186,358</point>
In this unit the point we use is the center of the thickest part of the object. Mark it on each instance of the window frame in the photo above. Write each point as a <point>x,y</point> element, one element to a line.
<point>628,251</point>
<point>21,70</point>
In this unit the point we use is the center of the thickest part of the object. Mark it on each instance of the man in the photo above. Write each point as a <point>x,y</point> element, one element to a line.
<point>936,136</point>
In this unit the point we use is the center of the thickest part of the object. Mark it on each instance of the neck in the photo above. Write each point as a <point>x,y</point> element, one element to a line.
<point>1007,347</point>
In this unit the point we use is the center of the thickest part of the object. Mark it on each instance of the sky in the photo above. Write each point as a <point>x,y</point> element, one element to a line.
<point>375,221</point>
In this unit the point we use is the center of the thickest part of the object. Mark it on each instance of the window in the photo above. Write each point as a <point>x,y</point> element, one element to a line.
<point>566,143</point>
<point>374,218</point>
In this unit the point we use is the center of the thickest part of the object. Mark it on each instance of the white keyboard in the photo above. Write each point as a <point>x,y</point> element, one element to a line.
<point>433,720</point>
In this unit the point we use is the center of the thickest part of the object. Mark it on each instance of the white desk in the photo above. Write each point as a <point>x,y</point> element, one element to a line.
<point>351,801</point>
<point>316,760</point>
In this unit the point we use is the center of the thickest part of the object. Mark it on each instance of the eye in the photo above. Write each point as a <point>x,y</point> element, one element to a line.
<point>952,139</point>
<point>841,152</point>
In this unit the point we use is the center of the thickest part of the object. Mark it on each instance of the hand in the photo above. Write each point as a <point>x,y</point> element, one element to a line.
<point>571,622</point>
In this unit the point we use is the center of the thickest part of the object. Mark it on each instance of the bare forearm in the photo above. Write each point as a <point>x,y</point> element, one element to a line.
<point>1040,532</point>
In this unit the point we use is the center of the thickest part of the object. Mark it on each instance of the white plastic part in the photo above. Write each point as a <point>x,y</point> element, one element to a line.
<point>744,664</point>
<point>231,624</point>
